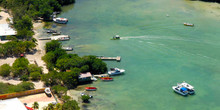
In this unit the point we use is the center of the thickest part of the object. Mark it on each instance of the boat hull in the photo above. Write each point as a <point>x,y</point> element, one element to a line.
<point>179,92</point>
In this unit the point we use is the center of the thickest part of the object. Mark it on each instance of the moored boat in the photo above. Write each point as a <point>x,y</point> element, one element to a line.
<point>189,87</point>
<point>180,90</point>
<point>188,24</point>
<point>67,48</point>
<point>115,71</point>
<point>60,20</point>
<point>91,88</point>
<point>107,79</point>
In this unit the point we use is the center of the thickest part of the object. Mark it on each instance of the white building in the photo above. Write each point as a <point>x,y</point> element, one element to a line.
<point>12,104</point>
<point>6,30</point>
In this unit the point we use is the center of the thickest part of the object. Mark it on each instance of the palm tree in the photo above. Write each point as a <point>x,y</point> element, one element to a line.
<point>50,106</point>
<point>35,105</point>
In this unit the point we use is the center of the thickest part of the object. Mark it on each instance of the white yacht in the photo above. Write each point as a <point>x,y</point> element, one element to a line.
<point>188,24</point>
<point>189,87</point>
<point>180,90</point>
<point>115,71</point>
<point>60,20</point>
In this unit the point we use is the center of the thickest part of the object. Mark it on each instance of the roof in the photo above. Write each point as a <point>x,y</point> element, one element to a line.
<point>85,75</point>
<point>183,89</point>
<point>6,30</point>
<point>7,104</point>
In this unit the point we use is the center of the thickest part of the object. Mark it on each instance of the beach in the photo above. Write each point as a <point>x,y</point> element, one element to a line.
<point>34,58</point>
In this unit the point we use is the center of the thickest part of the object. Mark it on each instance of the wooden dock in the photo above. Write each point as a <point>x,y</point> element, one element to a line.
<point>118,58</point>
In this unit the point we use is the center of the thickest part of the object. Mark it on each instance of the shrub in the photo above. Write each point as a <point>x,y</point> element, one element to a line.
<point>5,70</point>
<point>35,76</point>
<point>24,78</point>
<point>85,98</point>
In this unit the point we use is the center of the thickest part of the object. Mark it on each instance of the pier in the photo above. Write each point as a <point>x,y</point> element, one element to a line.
<point>118,58</point>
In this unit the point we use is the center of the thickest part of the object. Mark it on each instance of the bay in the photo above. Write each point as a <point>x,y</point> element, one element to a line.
<point>157,51</point>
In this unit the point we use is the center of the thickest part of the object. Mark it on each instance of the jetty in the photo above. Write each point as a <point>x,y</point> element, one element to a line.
<point>118,58</point>
<point>101,75</point>
<point>59,37</point>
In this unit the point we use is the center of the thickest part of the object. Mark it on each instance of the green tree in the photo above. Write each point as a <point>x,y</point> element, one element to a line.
<point>52,78</point>
<point>34,68</point>
<point>58,106</point>
<point>85,98</point>
<point>24,78</point>
<point>35,76</point>
<point>35,105</point>
<point>59,90</point>
<point>24,27</point>
<point>52,46</point>
<point>65,98</point>
<point>20,66</point>
<point>26,85</point>
<point>71,105</point>
<point>5,70</point>
<point>70,79</point>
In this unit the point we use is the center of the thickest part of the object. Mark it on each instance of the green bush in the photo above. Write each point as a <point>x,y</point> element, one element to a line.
<point>35,76</point>
<point>71,105</point>
<point>24,78</point>
<point>5,70</point>
<point>85,98</point>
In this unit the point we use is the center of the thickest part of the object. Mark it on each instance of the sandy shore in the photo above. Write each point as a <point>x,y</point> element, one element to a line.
<point>42,100</point>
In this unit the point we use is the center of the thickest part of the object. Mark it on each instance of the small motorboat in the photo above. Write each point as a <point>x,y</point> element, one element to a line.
<point>116,37</point>
<point>93,78</point>
<point>180,90</point>
<point>91,88</point>
<point>51,31</point>
<point>188,24</point>
<point>60,20</point>
<point>189,87</point>
<point>56,33</point>
<point>107,79</point>
<point>115,71</point>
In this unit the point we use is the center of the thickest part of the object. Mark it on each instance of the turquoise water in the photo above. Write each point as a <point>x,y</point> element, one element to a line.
<point>157,52</point>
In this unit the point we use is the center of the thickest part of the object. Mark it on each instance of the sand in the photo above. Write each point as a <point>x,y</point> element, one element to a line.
<point>4,16</point>
<point>32,58</point>
<point>42,100</point>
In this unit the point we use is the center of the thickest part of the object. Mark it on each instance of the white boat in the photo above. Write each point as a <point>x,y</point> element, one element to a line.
<point>189,87</point>
<point>115,71</point>
<point>116,37</point>
<point>47,91</point>
<point>180,90</point>
<point>93,78</point>
<point>67,48</point>
<point>188,24</point>
<point>60,20</point>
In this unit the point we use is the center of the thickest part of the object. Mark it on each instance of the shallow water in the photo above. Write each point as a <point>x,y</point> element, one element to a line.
<point>157,52</point>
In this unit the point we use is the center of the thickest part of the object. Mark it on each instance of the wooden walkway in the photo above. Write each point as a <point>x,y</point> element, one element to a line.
<point>118,58</point>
